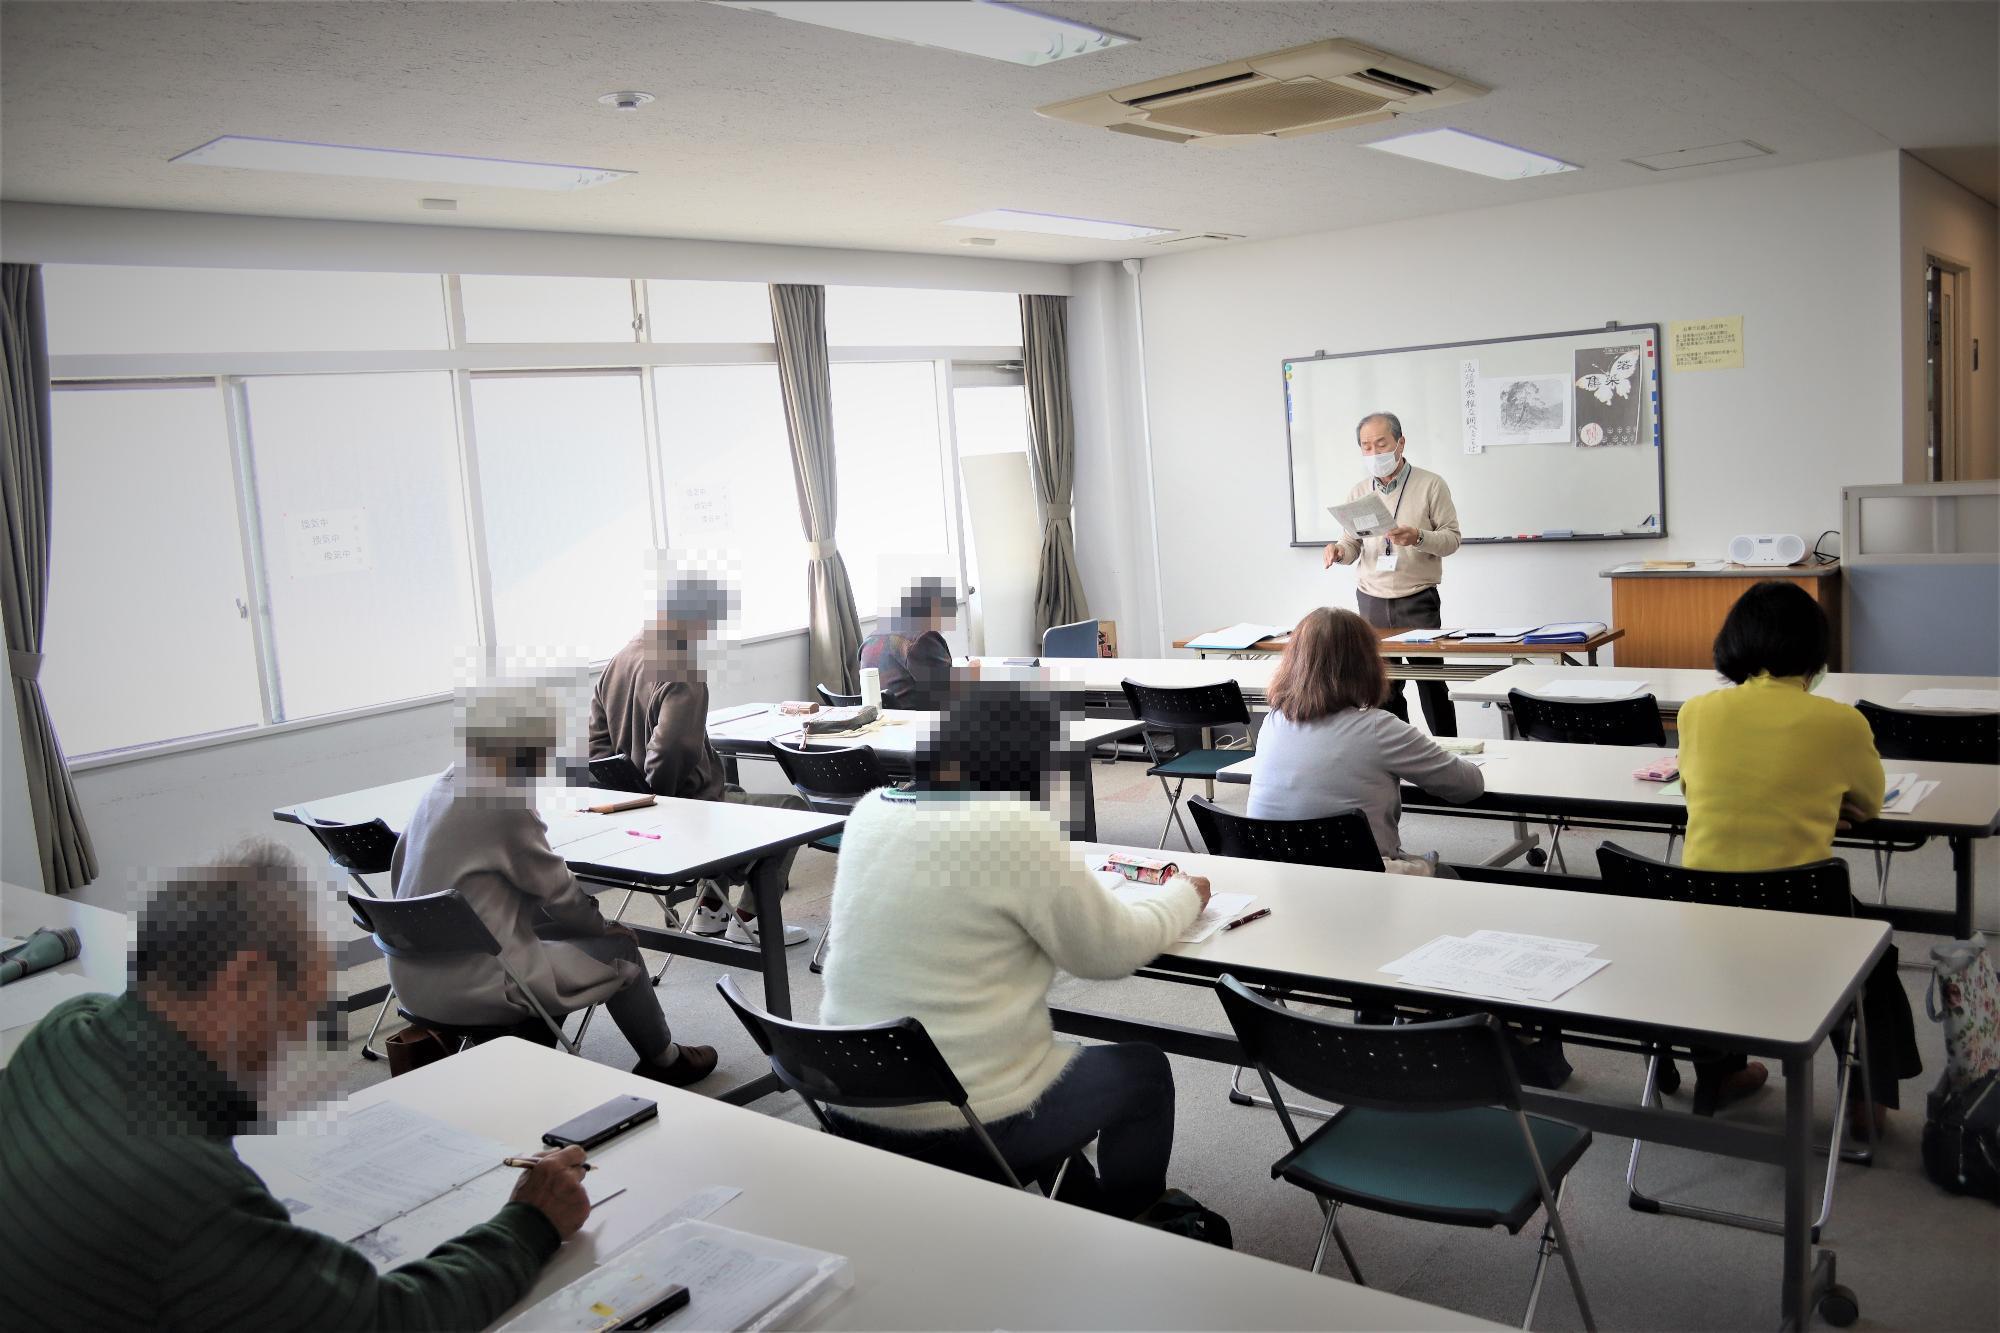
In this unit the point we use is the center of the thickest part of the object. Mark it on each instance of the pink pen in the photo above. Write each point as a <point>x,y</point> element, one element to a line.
<point>641,833</point>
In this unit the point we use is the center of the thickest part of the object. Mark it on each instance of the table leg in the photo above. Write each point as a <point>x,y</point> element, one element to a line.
<point>1961,874</point>
<point>1796,1310</point>
<point>771,944</point>
<point>1079,772</point>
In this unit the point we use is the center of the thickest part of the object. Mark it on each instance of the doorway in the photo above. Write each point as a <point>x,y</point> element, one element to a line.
<point>1947,368</point>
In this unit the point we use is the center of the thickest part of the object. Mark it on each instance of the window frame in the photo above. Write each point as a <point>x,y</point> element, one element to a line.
<point>230,372</point>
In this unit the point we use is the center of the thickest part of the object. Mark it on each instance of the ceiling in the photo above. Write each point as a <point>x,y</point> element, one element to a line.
<point>776,131</point>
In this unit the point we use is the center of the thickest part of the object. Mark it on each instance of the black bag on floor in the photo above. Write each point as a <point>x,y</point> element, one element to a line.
<point>1176,1211</point>
<point>1962,1138</point>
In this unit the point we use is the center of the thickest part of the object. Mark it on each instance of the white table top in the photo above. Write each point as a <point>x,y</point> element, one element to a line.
<point>930,1249</point>
<point>1109,673</point>
<point>1967,797</point>
<point>903,730</point>
<point>105,938</point>
<point>692,835</point>
<point>1762,981</point>
<point>1674,686</point>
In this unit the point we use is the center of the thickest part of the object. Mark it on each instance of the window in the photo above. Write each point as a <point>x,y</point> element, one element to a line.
<point>563,496</point>
<point>362,526</point>
<point>730,500</point>
<point>148,636</point>
<point>907,317</point>
<point>709,312</point>
<point>501,309</point>
<point>887,440</point>
<point>990,419</point>
<point>99,309</point>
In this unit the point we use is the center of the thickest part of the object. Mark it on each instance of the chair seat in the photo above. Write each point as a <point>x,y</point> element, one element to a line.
<point>1468,1168</point>
<point>830,843</point>
<point>531,1029</point>
<point>1197,764</point>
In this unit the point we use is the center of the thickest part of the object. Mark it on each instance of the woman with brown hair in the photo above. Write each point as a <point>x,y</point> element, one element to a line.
<point>1329,745</point>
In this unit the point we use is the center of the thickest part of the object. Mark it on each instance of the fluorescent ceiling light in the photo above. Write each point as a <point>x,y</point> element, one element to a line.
<point>1055,224</point>
<point>1469,152</point>
<point>332,159</point>
<point>987,28</point>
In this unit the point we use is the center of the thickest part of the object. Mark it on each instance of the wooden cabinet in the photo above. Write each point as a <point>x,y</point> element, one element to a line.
<point>1671,616</point>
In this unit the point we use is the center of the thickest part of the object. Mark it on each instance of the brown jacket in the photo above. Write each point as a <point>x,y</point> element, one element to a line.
<point>657,717</point>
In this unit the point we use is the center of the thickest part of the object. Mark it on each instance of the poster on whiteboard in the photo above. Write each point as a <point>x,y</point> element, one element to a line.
<point>329,541</point>
<point>1523,409</point>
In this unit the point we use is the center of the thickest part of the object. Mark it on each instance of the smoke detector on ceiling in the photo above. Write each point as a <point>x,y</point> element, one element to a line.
<point>625,101</point>
<point>1303,90</point>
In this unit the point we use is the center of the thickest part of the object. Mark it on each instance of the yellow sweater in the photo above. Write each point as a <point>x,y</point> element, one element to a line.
<point>1765,767</point>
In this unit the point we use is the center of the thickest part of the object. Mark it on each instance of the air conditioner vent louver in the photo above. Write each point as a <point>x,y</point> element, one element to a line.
<point>1255,109</point>
<point>1304,90</point>
<point>1200,236</point>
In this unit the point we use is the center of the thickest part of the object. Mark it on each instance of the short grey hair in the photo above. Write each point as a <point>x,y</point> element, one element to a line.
<point>1390,419</point>
<point>500,717</point>
<point>256,899</point>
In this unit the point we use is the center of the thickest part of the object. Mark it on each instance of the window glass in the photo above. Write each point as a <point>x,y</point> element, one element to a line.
<point>990,419</point>
<point>102,309</point>
<point>891,475</point>
<point>709,312</point>
<point>562,488</point>
<point>506,309</point>
<point>730,498</point>
<point>912,317</point>
<point>148,636</point>
<point>362,522</point>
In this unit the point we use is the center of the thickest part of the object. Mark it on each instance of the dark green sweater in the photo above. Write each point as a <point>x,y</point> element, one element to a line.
<point>123,1203</point>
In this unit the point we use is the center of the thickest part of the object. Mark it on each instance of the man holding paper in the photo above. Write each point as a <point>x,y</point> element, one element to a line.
<point>1400,558</point>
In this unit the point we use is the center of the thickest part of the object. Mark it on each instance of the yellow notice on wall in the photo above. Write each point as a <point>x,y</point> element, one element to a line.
<point>1706,344</point>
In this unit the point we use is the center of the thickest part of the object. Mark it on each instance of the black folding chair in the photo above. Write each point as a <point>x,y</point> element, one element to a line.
<point>1343,841</point>
<point>830,781</point>
<point>359,850</point>
<point>1182,712</point>
<point>834,699</point>
<point>1947,738</point>
<point>1818,888</point>
<point>1633,721</point>
<point>1430,1126</point>
<point>439,926</point>
<point>866,1065</point>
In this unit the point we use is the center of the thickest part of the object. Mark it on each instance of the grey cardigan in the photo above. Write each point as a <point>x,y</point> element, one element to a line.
<point>1356,759</point>
<point>488,843</point>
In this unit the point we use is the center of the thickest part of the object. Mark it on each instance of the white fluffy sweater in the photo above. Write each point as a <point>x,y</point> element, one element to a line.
<point>958,912</point>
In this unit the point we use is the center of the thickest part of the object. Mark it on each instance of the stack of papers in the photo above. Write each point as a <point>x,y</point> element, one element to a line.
<point>1566,631</point>
<point>735,1280</point>
<point>1902,792</point>
<point>1589,689</point>
<point>1970,701</point>
<point>416,1233</point>
<point>1499,963</point>
<point>1422,635</point>
<point>1239,637</point>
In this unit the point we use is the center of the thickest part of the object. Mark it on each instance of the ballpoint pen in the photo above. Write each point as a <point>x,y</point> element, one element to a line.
<point>527,1162</point>
<point>1257,915</point>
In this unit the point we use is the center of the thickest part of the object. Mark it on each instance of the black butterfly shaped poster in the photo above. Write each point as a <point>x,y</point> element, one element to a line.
<point>1608,391</point>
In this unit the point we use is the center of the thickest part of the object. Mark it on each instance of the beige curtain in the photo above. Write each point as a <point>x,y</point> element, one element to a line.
<point>798,320</point>
<point>68,862</point>
<point>1059,598</point>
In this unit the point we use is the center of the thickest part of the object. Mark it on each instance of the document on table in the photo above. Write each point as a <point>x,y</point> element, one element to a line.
<point>1221,910</point>
<point>1902,792</point>
<point>1589,689</point>
<point>25,1001</point>
<point>735,1280</point>
<point>1501,964</point>
<point>377,1164</point>
<point>456,1211</point>
<point>1421,635</point>
<point>1364,517</point>
<point>1971,701</point>
<point>1239,636</point>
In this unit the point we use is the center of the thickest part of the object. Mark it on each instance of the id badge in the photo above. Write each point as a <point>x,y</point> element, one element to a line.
<point>1387,560</point>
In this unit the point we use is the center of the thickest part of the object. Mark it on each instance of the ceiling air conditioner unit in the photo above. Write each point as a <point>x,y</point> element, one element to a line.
<point>1322,86</point>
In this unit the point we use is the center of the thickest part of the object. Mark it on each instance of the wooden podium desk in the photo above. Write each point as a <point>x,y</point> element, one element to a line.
<point>1671,616</point>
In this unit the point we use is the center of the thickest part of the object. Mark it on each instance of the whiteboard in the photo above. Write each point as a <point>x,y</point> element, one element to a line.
<point>1549,437</point>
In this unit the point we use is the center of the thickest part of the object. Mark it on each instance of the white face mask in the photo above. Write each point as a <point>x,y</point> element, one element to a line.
<point>1381,465</point>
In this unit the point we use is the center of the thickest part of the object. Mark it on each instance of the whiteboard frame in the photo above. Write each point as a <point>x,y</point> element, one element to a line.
<point>1659,431</point>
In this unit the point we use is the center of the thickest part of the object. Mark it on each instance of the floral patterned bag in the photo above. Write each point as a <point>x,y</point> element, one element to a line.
<point>1964,995</point>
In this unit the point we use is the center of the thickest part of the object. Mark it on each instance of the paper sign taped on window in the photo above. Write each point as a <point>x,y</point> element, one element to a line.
<point>1706,344</point>
<point>706,507</point>
<point>329,541</point>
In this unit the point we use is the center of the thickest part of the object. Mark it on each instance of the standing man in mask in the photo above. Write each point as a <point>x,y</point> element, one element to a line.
<point>1400,568</point>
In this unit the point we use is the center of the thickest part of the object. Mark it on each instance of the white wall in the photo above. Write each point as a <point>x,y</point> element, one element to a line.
<point>1807,255</point>
<point>1942,218</point>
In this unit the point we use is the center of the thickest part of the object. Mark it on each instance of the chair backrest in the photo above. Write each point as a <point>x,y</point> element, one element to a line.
<point>1341,840</point>
<point>835,699</point>
<point>431,926</point>
<point>619,773</point>
<point>1952,738</point>
<point>1443,1066</point>
<point>1818,888</point>
<point>1593,722</point>
<point>838,775</point>
<point>1078,639</point>
<point>359,849</point>
<point>1187,707</point>
<point>869,1064</point>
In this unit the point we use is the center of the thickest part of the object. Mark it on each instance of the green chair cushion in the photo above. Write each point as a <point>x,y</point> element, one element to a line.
<point>1467,1168</point>
<point>830,843</point>
<point>1198,763</point>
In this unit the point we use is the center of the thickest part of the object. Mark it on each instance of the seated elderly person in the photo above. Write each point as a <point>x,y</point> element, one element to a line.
<point>126,1204</point>
<point>956,902</point>
<point>476,832</point>
<point>910,650</point>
